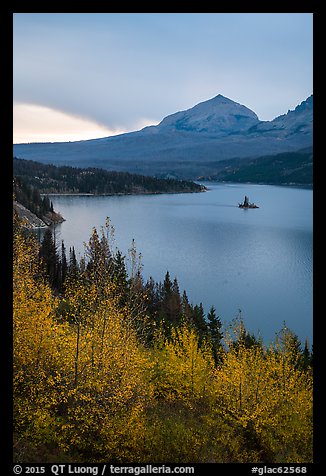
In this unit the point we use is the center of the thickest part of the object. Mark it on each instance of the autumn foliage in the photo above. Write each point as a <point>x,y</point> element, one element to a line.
<point>90,385</point>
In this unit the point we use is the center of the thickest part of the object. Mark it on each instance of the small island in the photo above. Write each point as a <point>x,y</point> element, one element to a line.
<point>247,204</point>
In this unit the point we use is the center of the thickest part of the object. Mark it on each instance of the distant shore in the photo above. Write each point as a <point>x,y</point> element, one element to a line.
<point>78,194</point>
<point>308,186</point>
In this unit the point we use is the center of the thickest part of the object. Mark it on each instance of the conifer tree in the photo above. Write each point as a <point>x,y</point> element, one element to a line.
<point>151,291</point>
<point>171,309</point>
<point>306,356</point>
<point>152,301</point>
<point>120,274</point>
<point>199,321</point>
<point>167,286</point>
<point>73,264</point>
<point>215,333</point>
<point>99,258</point>
<point>175,305</point>
<point>64,264</point>
<point>50,257</point>
<point>187,311</point>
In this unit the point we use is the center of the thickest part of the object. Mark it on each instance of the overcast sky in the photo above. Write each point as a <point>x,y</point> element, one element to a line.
<point>86,75</point>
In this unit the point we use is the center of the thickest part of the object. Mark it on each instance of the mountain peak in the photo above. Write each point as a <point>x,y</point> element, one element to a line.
<point>298,120</point>
<point>305,105</point>
<point>218,115</point>
<point>220,97</point>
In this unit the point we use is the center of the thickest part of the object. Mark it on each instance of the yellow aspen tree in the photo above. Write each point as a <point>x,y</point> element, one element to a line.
<point>183,369</point>
<point>37,361</point>
<point>108,369</point>
<point>263,392</point>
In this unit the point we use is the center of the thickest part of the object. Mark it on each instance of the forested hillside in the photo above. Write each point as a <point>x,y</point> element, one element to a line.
<point>108,367</point>
<point>52,179</point>
<point>280,169</point>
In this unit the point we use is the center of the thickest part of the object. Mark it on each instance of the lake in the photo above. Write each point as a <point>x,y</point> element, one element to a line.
<point>258,261</point>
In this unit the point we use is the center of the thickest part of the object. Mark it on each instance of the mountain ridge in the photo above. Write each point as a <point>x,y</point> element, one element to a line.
<point>212,130</point>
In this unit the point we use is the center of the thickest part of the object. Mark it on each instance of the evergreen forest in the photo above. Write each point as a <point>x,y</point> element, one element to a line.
<point>49,178</point>
<point>286,168</point>
<point>111,367</point>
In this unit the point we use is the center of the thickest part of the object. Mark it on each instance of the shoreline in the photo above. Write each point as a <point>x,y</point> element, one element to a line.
<point>33,221</point>
<point>290,185</point>
<point>71,194</point>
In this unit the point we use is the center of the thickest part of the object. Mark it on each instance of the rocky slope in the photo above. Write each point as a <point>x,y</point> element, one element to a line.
<point>30,220</point>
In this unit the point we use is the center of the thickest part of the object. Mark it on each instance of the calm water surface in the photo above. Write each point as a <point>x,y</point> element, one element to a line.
<point>259,261</point>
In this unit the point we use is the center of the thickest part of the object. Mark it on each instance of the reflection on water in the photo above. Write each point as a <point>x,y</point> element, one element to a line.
<point>259,261</point>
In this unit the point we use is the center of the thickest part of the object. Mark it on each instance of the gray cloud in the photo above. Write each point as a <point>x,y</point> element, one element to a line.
<point>119,69</point>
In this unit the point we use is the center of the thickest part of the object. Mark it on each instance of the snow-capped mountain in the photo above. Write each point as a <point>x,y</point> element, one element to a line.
<point>219,116</point>
<point>183,142</point>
